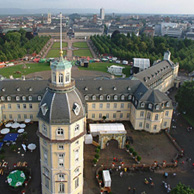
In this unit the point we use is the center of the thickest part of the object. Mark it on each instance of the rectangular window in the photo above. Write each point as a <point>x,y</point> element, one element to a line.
<point>76,155</point>
<point>115,105</point>
<point>19,116</point>
<point>93,105</point>
<point>60,147</point>
<point>25,116</point>
<point>107,115</point>
<point>24,106</point>
<point>155,127</point>
<point>61,187</point>
<point>166,113</point>
<point>108,105</point>
<point>100,115</point>
<point>18,106</point>
<point>45,154</point>
<point>121,115</point>
<point>147,125</point>
<point>31,116</point>
<point>30,106</point>
<point>142,114</point>
<point>61,160</point>
<point>9,106</point>
<point>46,182</point>
<point>93,116</point>
<point>128,115</point>
<point>10,117</point>
<point>140,124</point>
<point>101,105</point>
<point>122,105</point>
<point>4,117</point>
<point>77,182</point>
<point>165,124</point>
<point>114,115</point>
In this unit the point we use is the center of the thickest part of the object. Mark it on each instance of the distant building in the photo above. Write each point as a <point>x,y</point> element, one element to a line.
<point>95,18</point>
<point>149,31</point>
<point>49,18</point>
<point>124,30</point>
<point>102,14</point>
<point>87,32</point>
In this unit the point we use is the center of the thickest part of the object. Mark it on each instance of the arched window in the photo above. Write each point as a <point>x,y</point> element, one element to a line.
<point>61,187</point>
<point>54,77</point>
<point>129,97</point>
<point>101,97</point>
<point>17,98</point>
<point>108,97</point>
<point>123,97</point>
<point>86,97</point>
<point>157,107</point>
<point>115,97</point>
<point>60,131</point>
<point>60,78</point>
<point>30,98</point>
<point>156,117</point>
<point>93,97</point>
<point>67,77</point>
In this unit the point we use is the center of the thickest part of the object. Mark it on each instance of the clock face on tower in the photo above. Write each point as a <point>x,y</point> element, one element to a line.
<point>76,108</point>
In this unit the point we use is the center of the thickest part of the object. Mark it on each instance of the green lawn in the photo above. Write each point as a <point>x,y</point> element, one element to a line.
<point>189,119</point>
<point>31,68</point>
<point>57,44</point>
<point>80,44</point>
<point>82,53</point>
<point>102,66</point>
<point>54,53</point>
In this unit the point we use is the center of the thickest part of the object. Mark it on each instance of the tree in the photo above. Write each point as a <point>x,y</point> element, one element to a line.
<point>182,189</point>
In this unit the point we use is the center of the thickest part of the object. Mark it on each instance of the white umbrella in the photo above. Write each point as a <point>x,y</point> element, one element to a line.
<point>8,124</point>
<point>20,130</point>
<point>15,125</point>
<point>5,131</point>
<point>27,120</point>
<point>31,146</point>
<point>22,125</point>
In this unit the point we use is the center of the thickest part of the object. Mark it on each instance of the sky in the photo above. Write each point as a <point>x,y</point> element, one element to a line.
<point>122,6</point>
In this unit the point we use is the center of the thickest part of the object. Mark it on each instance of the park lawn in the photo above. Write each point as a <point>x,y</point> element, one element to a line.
<point>189,119</point>
<point>80,44</point>
<point>82,53</point>
<point>102,66</point>
<point>54,53</point>
<point>31,68</point>
<point>57,44</point>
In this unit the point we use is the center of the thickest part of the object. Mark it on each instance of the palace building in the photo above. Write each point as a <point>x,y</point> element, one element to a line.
<point>63,106</point>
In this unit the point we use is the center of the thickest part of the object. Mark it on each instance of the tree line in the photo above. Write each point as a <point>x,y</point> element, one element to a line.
<point>131,46</point>
<point>15,45</point>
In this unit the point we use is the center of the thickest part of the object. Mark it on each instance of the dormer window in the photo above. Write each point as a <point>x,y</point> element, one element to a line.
<point>129,97</point>
<point>129,88</point>
<point>76,108</point>
<point>18,89</point>
<point>86,97</point>
<point>39,98</point>
<point>17,98</point>
<point>157,107</point>
<point>23,98</point>
<point>122,97</point>
<point>2,98</point>
<point>108,97</point>
<point>86,89</point>
<point>142,105</point>
<point>168,104</point>
<point>93,97</point>
<point>30,98</point>
<point>115,97</point>
<point>60,78</point>
<point>3,89</point>
<point>8,98</point>
<point>101,97</point>
<point>114,88</point>
<point>30,89</point>
<point>150,106</point>
<point>44,109</point>
<point>100,88</point>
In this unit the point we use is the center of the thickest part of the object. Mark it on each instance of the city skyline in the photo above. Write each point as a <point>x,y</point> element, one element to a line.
<point>124,6</point>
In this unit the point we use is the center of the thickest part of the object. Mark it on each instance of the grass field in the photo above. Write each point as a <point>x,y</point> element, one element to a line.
<point>31,68</point>
<point>80,44</point>
<point>57,44</point>
<point>54,53</point>
<point>82,53</point>
<point>103,67</point>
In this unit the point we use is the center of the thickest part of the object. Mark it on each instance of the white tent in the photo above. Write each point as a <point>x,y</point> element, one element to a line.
<point>88,139</point>
<point>107,128</point>
<point>106,178</point>
<point>141,63</point>
<point>116,70</point>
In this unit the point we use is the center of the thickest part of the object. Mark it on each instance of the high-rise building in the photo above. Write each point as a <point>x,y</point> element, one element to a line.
<point>102,14</point>
<point>49,18</point>
<point>61,131</point>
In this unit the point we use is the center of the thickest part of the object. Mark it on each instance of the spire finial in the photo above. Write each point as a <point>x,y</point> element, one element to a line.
<point>61,49</point>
